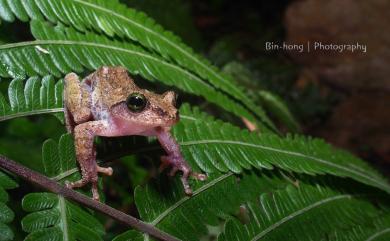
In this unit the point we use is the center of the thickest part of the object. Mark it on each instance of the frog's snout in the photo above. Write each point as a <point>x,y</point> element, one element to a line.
<point>174,117</point>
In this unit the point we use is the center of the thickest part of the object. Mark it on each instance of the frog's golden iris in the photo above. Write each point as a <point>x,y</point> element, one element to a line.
<point>136,102</point>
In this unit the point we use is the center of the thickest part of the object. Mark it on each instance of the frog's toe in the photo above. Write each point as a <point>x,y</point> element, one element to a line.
<point>199,176</point>
<point>80,183</point>
<point>105,170</point>
<point>179,164</point>
<point>187,187</point>
<point>68,184</point>
<point>95,192</point>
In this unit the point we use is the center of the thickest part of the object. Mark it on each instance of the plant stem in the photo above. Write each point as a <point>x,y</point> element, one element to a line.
<point>46,183</point>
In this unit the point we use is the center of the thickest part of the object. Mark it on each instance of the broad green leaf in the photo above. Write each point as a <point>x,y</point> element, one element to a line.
<point>34,97</point>
<point>62,52</point>
<point>112,18</point>
<point>215,146</point>
<point>300,213</point>
<point>6,214</point>
<point>51,216</point>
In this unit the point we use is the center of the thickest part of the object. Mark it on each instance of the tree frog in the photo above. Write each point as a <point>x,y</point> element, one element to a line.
<point>108,103</point>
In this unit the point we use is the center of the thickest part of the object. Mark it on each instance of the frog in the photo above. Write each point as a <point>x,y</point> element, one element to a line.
<point>108,103</point>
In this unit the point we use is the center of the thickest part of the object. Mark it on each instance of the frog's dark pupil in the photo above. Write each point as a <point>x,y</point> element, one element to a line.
<point>136,102</point>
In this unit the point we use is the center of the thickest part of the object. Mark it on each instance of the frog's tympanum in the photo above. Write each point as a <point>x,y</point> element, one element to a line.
<point>108,103</point>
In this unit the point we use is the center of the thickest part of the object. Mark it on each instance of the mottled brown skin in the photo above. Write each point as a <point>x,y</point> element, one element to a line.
<point>96,106</point>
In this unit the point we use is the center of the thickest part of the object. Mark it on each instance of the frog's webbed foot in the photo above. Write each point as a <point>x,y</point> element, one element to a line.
<point>179,164</point>
<point>90,177</point>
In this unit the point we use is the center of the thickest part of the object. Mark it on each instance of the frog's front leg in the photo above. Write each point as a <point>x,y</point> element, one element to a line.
<point>86,155</point>
<point>175,159</point>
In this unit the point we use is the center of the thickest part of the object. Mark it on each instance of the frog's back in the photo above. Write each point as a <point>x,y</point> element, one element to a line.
<point>109,86</point>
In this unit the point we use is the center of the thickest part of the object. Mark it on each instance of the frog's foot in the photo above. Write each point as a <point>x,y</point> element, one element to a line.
<point>105,170</point>
<point>179,164</point>
<point>83,181</point>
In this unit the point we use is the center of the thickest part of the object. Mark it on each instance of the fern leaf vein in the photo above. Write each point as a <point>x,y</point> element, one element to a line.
<point>378,234</point>
<point>297,213</point>
<point>186,198</point>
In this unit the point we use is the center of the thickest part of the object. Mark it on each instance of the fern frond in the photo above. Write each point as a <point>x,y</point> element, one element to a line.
<point>163,203</point>
<point>51,216</point>
<point>217,146</point>
<point>275,105</point>
<point>34,97</point>
<point>113,18</point>
<point>61,53</point>
<point>379,231</point>
<point>6,214</point>
<point>303,213</point>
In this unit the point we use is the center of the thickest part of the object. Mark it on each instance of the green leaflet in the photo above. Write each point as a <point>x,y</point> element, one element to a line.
<point>303,213</point>
<point>189,113</point>
<point>62,53</point>
<point>51,216</point>
<point>163,203</point>
<point>6,214</point>
<point>113,18</point>
<point>276,106</point>
<point>378,231</point>
<point>34,97</point>
<point>216,146</point>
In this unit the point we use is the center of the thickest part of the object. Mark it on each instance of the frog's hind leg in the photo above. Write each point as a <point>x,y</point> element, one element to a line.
<point>86,155</point>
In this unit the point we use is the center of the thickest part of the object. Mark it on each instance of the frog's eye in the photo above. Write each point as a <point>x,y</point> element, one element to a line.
<point>136,102</point>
